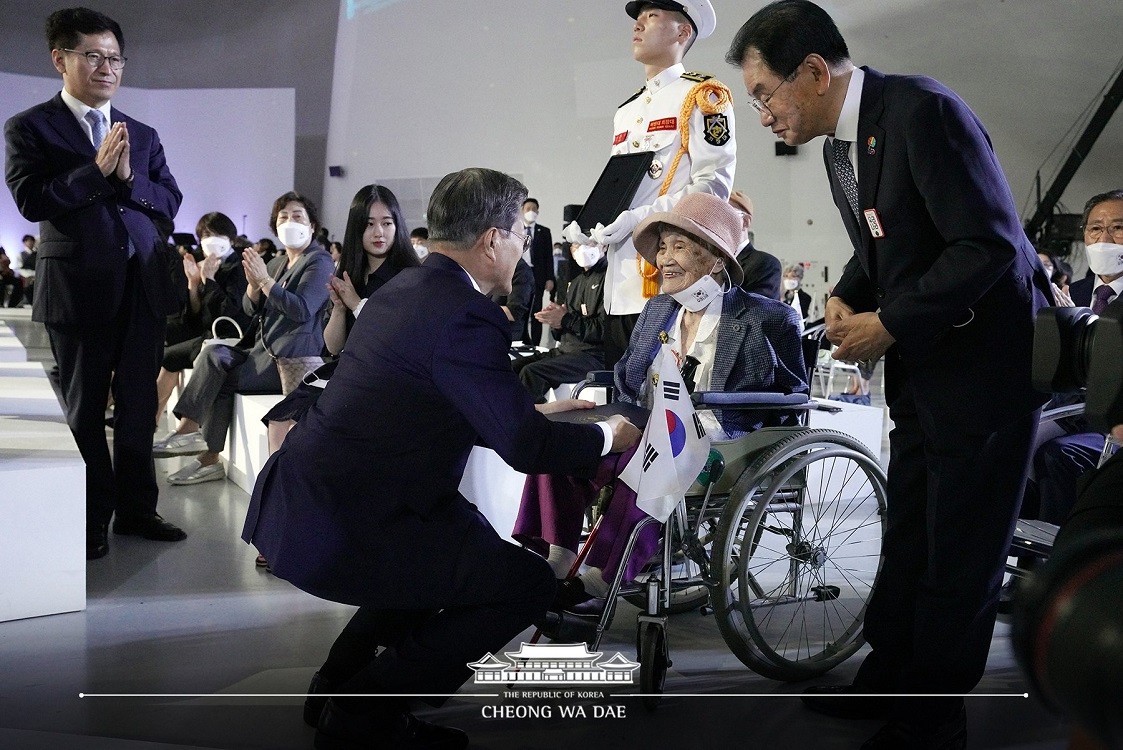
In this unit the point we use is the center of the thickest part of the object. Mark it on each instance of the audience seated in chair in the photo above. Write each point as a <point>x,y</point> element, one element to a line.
<point>734,341</point>
<point>375,248</point>
<point>215,288</point>
<point>288,298</point>
<point>578,325</point>
<point>10,279</point>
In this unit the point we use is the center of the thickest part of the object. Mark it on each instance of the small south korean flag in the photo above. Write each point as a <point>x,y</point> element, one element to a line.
<point>673,448</point>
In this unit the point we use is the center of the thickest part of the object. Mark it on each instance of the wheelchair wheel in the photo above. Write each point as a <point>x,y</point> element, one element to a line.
<point>797,554</point>
<point>653,662</point>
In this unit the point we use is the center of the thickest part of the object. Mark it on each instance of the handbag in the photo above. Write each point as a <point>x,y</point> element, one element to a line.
<point>291,369</point>
<point>216,340</point>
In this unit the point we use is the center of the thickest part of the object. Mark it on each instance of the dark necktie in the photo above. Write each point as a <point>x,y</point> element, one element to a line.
<point>97,126</point>
<point>1103,293</point>
<point>844,171</point>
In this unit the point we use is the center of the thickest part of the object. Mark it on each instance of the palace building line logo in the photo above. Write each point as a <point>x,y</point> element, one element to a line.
<point>554,664</point>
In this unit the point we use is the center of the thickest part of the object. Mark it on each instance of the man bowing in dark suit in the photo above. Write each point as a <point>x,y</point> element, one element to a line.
<point>945,284</point>
<point>360,505</point>
<point>96,181</point>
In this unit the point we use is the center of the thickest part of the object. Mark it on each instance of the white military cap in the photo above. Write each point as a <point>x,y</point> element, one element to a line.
<point>699,12</point>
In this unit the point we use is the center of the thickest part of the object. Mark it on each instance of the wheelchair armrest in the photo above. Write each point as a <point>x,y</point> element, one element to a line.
<point>597,379</point>
<point>1062,412</point>
<point>750,401</point>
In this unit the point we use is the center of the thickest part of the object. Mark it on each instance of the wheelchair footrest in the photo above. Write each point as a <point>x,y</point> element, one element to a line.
<point>826,593</point>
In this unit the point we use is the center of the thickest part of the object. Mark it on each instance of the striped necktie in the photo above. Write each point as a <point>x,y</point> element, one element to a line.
<point>97,126</point>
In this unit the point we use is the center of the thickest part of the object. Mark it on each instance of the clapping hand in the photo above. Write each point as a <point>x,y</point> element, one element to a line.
<point>342,291</point>
<point>124,168</point>
<point>191,271</point>
<point>108,156</point>
<point>256,272</point>
<point>209,266</point>
<point>1062,297</point>
<point>551,315</point>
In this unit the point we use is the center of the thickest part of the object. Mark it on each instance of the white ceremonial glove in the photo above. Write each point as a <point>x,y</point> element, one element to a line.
<point>572,233</point>
<point>617,231</point>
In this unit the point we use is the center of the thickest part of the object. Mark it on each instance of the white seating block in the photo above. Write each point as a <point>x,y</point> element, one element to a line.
<point>247,445</point>
<point>43,505</point>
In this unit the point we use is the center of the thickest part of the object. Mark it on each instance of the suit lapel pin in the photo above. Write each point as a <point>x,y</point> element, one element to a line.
<point>871,146</point>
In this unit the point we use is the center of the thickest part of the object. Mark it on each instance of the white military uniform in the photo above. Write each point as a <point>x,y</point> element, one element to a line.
<point>649,122</point>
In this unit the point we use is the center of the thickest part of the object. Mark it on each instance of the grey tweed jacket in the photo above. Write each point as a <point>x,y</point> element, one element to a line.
<point>758,349</point>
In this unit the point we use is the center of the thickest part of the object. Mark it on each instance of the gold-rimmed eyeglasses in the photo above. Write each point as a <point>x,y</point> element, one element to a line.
<point>1114,230</point>
<point>761,104</point>
<point>525,237</point>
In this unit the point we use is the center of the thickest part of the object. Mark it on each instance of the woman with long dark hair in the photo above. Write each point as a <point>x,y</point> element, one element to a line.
<point>375,247</point>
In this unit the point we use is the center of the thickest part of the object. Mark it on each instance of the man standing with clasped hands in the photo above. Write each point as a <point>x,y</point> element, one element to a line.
<point>97,183</point>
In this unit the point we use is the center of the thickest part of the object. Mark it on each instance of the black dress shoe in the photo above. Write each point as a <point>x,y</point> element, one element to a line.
<point>383,728</point>
<point>569,593</point>
<point>153,527</point>
<point>566,627</point>
<point>840,702</point>
<point>313,707</point>
<point>948,734</point>
<point>97,541</point>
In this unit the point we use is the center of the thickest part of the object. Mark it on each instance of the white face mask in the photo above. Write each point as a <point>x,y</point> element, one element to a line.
<point>791,284</point>
<point>530,217</point>
<point>700,294</point>
<point>1105,258</point>
<point>295,235</point>
<point>587,256</point>
<point>216,246</point>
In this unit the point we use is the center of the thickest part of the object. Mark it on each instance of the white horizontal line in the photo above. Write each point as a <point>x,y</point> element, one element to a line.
<point>517,689</point>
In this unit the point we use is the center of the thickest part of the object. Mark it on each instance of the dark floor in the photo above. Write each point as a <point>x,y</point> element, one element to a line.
<point>195,627</point>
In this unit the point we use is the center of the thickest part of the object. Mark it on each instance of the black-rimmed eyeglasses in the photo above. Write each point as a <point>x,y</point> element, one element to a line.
<point>95,59</point>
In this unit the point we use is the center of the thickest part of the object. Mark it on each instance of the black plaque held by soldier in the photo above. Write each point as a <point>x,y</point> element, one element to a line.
<point>614,190</point>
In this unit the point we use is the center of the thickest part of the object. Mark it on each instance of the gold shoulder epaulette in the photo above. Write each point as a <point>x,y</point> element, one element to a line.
<point>632,98</point>
<point>697,77</point>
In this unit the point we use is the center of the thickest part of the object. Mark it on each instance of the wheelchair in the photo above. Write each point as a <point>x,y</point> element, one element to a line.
<point>779,538</point>
<point>1033,540</point>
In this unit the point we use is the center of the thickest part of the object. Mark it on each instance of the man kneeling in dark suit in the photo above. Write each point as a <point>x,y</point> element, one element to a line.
<point>360,505</point>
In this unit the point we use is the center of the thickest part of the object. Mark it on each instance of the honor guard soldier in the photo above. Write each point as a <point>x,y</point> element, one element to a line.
<point>686,120</point>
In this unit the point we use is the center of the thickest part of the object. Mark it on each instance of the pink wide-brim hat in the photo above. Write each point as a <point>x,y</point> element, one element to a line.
<point>703,217</point>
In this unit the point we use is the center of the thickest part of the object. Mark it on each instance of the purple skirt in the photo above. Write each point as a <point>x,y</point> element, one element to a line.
<point>553,512</point>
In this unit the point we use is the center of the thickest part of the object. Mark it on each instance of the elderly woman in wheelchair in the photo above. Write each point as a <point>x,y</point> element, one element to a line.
<point>724,339</point>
